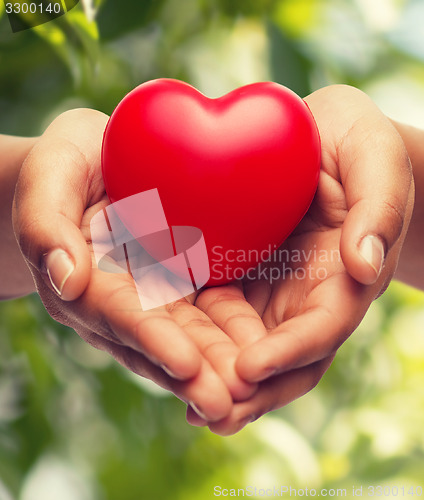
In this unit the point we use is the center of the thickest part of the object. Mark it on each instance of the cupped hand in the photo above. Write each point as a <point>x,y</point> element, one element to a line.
<point>320,283</point>
<point>59,190</point>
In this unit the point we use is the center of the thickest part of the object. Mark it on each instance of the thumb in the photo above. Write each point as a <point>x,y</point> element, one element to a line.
<point>55,186</point>
<point>376,175</point>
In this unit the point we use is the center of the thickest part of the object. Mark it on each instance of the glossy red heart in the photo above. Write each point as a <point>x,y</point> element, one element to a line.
<point>242,168</point>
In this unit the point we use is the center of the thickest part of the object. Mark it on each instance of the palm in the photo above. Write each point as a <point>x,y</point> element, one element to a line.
<point>309,259</point>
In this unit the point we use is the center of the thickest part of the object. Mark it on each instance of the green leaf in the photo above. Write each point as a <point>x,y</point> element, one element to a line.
<point>116,18</point>
<point>288,66</point>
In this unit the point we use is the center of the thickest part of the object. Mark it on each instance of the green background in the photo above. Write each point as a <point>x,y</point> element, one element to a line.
<point>73,424</point>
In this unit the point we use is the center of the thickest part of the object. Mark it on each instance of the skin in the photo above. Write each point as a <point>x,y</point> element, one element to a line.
<point>362,191</point>
<point>410,269</point>
<point>15,278</point>
<point>237,351</point>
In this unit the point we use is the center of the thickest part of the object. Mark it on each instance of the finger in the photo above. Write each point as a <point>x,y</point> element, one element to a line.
<point>214,344</point>
<point>56,183</point>
<point>206,392</point>
<point>126,357</point>
<point>272,394</point>
<point>375,173</point>
<point>379,193</point>
<point>222,357</point>
<point>228,308</point>
<point>111,306</point>
<point>257,293</point>
<point>193,418</point>
<point>331,312</point>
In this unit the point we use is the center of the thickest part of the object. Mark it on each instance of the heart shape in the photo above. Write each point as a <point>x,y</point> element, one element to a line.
<point>242,168</point>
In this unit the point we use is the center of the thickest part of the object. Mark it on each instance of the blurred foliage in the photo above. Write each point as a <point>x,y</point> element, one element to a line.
<point>71,420</point>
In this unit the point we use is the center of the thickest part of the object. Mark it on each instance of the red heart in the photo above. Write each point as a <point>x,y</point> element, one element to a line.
<point>242,168</point>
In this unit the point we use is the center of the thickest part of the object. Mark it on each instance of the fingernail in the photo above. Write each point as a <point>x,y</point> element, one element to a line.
<point>198,411</point>
<point>59,267</point>
<point>371,250</point>
<point>247,420</point>
<point>168,371</point>
<point>269,372</point>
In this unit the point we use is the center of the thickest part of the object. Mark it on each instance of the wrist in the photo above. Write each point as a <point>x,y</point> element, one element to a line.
<point>410,269</point>
<point>15,278</point>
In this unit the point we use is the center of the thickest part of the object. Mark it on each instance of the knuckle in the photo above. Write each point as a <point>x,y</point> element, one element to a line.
<point>209,349</point>
<point>240,316</point>
<point>395,145</point>
<point>144,325</point>
<point>145,328</point>
<point>342,91</point>
<point>177,306</point>
<point>196,323</point>
<point>77,115</point>
<point>393,210</point>
<point>213,296</point>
